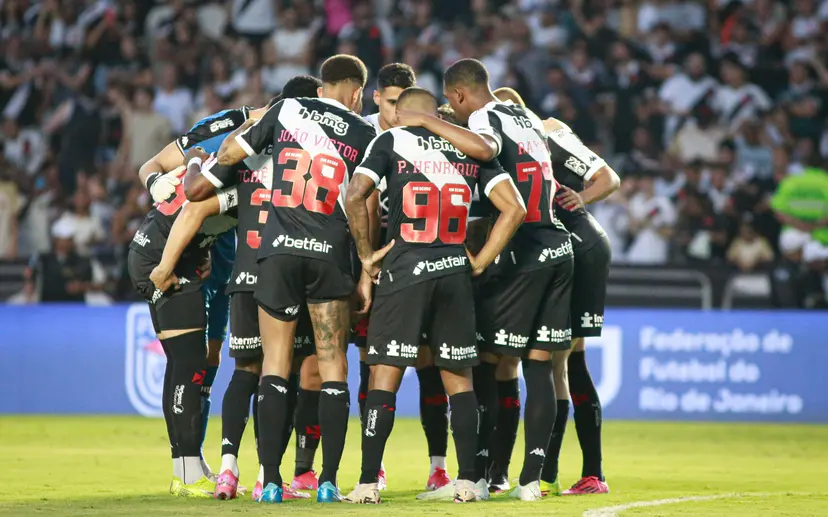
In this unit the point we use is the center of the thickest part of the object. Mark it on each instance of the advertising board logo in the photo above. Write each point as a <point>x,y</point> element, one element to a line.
<point>608,345</point>
<point>145,363</point>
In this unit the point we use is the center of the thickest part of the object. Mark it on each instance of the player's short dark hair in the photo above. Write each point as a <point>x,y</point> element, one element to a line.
<point>447,113</point>
<point>415,93</point>
<point>397,75</point>
<point>467,72</point>
<point>343,67</point>
<point>301,86</point>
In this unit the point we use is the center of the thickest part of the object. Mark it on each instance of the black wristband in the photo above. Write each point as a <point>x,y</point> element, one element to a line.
<point>152,178</point>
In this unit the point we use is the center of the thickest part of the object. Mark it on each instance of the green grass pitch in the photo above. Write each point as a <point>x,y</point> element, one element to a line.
<point>119,466</point>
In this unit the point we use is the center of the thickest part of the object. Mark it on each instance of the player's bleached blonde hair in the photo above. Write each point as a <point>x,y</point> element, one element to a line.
<point>509,94</point>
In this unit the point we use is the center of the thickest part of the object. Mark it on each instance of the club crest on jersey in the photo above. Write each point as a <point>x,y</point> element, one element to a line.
<point>436,143</point>
<point>145,363</point>
<point>335,122</point>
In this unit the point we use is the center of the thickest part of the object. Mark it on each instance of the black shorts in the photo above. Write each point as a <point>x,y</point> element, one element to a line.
<point>289,282</point>
<point>525,311</point>
<point>442,308</point>
<point>589,293</point>
<point>175,309</point>
<point>245,339</point>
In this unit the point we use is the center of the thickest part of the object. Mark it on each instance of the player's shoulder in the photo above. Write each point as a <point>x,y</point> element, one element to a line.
<point>223,120</point>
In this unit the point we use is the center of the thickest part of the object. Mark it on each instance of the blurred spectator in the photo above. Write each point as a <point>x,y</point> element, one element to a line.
<point>86,230</point>
<point>749,250</point>
<point>699,137</point>
<point>788,274</point>
<point>684,92</point>
<point>176,102</point>
<point>738,100</point>
<point>373,38</point>
<point>23,148</point>
<point>651,218</point>
<point>291,44</point>
<point>10,205</point>
<point>62,275</point>
<point>253,20</point>
<point>146,131</point>
<point>701,235</point>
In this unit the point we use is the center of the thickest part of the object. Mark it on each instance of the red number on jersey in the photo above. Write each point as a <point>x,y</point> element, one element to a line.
<point>171,206</point>
<point>259,197</point>
<point>440,208</point>
<point>532,171</point>
<point>326,173</point>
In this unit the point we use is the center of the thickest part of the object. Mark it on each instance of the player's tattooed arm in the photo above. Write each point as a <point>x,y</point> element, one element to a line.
<point>505,197</point>
<point>468,142</point>
<point>374,218</point>
<point>331,324</point>
<point>356,207</point>
<point>183,230</point>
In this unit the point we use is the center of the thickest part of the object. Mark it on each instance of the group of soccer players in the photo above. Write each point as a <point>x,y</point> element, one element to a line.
<point>439,235</point>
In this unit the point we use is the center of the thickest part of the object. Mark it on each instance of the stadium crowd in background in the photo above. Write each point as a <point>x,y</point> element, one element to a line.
<point>713,112</point>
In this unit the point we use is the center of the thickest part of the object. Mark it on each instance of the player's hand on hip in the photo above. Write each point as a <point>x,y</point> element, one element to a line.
<point>365,295</point>
<point>163,279</point>
<point>164,186</point>
<point>569,199</point>
<point>409,118</point>
<point>373,264</point>
<point>477,268</point>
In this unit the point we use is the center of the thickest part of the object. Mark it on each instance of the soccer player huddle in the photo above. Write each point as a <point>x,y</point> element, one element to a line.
<point>452,239</point>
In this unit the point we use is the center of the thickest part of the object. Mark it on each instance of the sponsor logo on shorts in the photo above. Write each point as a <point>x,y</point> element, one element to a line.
<point>547,335</point>
<point>592,321</point>
<point>178,398</point>
<point>334,122</point>
<point>561,251</point>
<point>372,351</point>
<point>246,278</point>
<point>141,239</point>
<point>458,353</point>
<point>439,265</point>
<point>480,338</point>
<point>218,125</point>
<point>302,244</point>
<point>293,310</point>
<point>394,349</point>
<point>156,295</point>
<point>245,343</point>
<point>371,423</point>
<point>504,338</point>
<point>145,363</point>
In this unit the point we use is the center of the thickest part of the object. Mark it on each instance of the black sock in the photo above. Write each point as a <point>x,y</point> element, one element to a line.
<point>485,390</point>
<point>273,395</point>
<point>188,356</point>
<point>290,410</point>
<point>307,430</point>
<point>465,421</point>
<point>377,423</point>
<point>256,397</point>
<point>364,377</point>
<point>539,416</point>
<point>506,428</point>
<point>553,452</point>
<point>235,409</point>
<point>166,405</point>
<point>433,410</point>
<point>587,414</point>
<point>334,405</point>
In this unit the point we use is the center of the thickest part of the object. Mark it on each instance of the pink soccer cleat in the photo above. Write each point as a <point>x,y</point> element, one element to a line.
<point>306,481</point>
<point>227,486</point>
<point>257,492</point>
<point>382,481</point>
<point>588,485</point>
<point>289,492</point>
<point>438,479</point>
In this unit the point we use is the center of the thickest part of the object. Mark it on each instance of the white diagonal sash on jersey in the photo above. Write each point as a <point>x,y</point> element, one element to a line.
<point>317,142</point>
<point>407,146</point>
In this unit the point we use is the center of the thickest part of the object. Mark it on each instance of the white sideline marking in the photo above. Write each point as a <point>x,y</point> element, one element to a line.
<point>612,511</point>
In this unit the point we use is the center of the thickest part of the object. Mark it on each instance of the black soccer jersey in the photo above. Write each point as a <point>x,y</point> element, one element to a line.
<point>210,131</point>
<point>430,186</point>
<point>152,235</point>
<point>522,150</point>
<point>317,144</point>
<point>573,163</point>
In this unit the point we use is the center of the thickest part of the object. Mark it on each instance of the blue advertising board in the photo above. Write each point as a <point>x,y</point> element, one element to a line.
<point>648,364</point>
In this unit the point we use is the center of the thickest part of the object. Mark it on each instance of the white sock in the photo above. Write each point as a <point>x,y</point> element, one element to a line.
<point>178,468</point>
<point>260,478</point>
<point>438,462</point>
<point>192,469</point>
<point>231,463</point>
<point>382,465</point>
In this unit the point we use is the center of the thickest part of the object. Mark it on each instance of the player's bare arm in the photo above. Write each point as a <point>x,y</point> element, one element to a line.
<point>605,181</point>
<point>470,143</point>
<point>153,173</point>
<point>198,187</point>
<point>183,230</point>
<point>374,218</point>
<point>505,197</point>
<point>231,152</point>
<point>356,207</point>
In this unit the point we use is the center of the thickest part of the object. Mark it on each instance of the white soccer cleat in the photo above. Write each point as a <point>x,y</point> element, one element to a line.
<point>466,492</point>
<point>481,489</point>
<point>530,492</point>
<point>444,493</point>
<point>364,493</point>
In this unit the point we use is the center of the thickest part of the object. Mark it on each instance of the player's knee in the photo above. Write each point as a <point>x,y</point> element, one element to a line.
<point>168,334</point>
<point>539,355</point>
<point>214,351</point>
<point>309,378</point>
<point>253,366</point>
<point>425,359</point>
<point>457,381</point>
<point>560,374</point>
<point>386,377</point>
<point>578,344</point>
<point>507,369</point>
<point>489,358</point>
